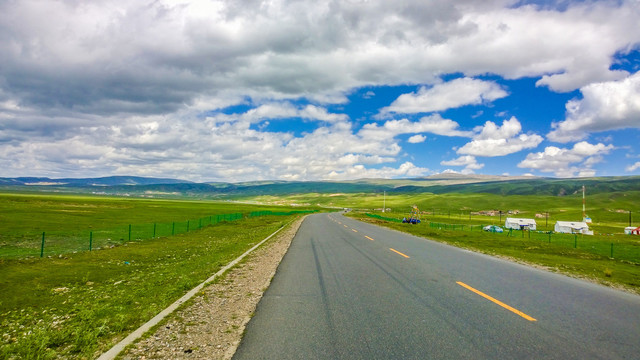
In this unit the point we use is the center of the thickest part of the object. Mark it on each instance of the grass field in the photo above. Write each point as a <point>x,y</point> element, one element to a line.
<point>78,304</point>
<point>610,212</point>
<point>69,223</point>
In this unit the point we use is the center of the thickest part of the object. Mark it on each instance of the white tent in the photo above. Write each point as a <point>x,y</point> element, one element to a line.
<point>519,224</point>
<point>572,227</point>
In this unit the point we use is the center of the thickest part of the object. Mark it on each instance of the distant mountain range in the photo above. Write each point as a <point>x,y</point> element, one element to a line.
<point>438,184</point>
<point>101,181</point>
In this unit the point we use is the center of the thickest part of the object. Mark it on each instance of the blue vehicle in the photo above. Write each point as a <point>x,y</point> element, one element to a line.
<point>493,228</point>
<point>414,218</point>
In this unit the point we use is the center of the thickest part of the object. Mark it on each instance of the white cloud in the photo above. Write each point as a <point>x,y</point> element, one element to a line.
<point>406,169</point>
<point>449,95</point>
<point>633,167</point>
<point>491,140</point>
<point>604,106</point>
<point>282,111</point>
<point>567,162</point>
<point>469,162</point>
<point>416,139</point>
<point>73,76</point>
<point>434,124</point>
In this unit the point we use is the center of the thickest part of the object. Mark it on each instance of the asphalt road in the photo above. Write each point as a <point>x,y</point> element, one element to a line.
<point>351,290</point>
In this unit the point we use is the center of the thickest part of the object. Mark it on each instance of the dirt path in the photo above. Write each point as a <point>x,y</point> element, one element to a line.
<point>211,325</point>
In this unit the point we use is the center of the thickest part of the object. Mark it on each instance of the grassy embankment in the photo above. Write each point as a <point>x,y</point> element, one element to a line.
<point>78,304</point>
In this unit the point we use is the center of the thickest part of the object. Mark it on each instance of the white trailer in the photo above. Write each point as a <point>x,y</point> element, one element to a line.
<point>572,227</point>
<point>520,224</point>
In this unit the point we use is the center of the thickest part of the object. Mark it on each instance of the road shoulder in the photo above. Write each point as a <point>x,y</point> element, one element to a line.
<point>212,324</point>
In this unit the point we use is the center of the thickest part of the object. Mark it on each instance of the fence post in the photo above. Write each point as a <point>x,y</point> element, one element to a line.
<point>42,246</point>
<point>575,241</point>
<point>173,228</point>
<point>611,251</point>
<point>154,230</point>
<point>90,239</point>
<point>188,225</point>
<point>129,232</point>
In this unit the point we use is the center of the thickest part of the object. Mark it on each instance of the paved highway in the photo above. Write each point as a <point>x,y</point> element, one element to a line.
<point>351,290</point>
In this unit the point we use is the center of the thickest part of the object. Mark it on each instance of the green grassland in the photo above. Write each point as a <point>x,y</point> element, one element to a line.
<point>609,211</point>
<point>73,223</point>
<point>78,304</point>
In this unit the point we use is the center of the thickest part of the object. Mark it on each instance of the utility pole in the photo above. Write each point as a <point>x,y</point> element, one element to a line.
<point>384,201</point>
<point>546,219</point>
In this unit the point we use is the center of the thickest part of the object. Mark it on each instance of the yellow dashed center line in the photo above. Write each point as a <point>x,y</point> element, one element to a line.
<point>354,230</point>
<point>345,226</point>
<point>398,252</point>
<point>496,301</point>
<point>369,238</point>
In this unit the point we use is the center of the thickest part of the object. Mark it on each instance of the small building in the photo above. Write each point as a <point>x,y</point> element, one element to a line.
<point>632,230</point>
<point>520,224</point>
<point>572,227</point>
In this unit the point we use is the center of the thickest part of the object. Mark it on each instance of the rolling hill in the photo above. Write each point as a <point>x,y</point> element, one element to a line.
<point>437,184</point>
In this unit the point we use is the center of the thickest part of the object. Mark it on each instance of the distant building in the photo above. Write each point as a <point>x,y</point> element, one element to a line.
<point>520,224</point>
<point>572,227</point>
<point>632,230</point>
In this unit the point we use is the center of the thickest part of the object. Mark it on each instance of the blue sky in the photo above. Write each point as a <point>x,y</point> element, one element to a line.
<point>319,90</point>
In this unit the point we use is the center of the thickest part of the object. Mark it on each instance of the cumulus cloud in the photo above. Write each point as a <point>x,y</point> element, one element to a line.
<point>449,95</point>
<point>469,162</point>
<point>633,167</point>
<point>604,106</point>
<point>567,162</point>
<point>73,76</point>
<point>406,169</point>
<point>416,139</point>
<point>82,56</point>
<point>282,111</point>
<point>492,140</point>
<point>434,124</point>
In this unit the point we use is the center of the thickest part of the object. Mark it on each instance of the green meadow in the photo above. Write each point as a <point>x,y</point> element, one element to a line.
<point>609,211</point>
<point>32,225</point>
<point>78,304</point>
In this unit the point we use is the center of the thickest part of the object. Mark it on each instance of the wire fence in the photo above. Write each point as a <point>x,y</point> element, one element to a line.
<point>620,247</point>
<point>375,216</point>
<point>51,243</point>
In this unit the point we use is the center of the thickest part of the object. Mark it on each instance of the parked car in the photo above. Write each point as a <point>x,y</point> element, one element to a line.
<point>493,228</point>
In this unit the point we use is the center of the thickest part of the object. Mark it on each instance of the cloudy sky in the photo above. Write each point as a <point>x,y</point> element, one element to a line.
<point>309,90</point>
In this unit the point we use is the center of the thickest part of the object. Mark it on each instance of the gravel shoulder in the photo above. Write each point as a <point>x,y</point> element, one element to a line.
<point>211,325</point>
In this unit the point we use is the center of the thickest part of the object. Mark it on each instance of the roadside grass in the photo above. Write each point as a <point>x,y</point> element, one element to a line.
<point>22,214</point>
<point>609,211</point>
<point>74,223</point>
<point>559,255</point>
<point>78,305</point>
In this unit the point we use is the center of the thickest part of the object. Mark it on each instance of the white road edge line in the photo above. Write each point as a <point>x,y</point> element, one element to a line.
<point>117,348</point>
